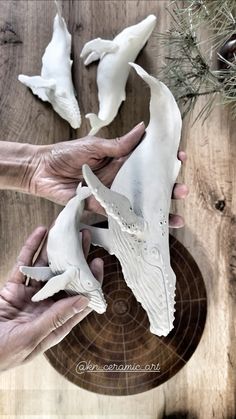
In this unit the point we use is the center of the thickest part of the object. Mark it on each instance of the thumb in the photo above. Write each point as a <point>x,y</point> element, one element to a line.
<point>121,146</point>
<point>97,268</point>
<point>57,315</point>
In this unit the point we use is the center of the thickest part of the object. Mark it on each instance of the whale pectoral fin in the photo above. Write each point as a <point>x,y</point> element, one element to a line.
<point>38,85</point>
<point>93,56</point>
<point>55,284</point>
<point>96,49</point>
<point>39,273</point>
<point>116,205</point>
<point>82,192</point>
<point>100,236</point>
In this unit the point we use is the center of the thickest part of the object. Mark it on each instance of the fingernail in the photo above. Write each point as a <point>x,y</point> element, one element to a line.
<point>80,304</point>
<point>141,124</point>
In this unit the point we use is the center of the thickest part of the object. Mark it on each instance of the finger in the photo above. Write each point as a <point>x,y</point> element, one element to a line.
<point>42,259</point>
<point>110,171</point>
<point>182,156</point>
<point>93,205</point>
<point>180,191</point>
<point>176,221</point>
<point>27,253</point>
<point>121,146</point>
<point>86,241</point>
<point>97,268</point>
<point>55,317</point>
<point>59,334</point>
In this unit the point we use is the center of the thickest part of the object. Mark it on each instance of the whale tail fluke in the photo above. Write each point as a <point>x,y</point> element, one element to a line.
<point>95,122</point>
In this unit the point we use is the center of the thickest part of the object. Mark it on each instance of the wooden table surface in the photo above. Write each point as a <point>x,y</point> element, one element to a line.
<point>204,388</point>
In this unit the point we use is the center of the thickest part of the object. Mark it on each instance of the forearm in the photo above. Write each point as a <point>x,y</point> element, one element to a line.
<point>17,163</point>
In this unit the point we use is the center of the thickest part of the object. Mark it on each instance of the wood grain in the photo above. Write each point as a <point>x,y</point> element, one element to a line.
<point>96,353</point>
<point>204,388</point>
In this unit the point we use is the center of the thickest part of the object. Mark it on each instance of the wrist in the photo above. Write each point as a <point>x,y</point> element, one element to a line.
<point>18,162</point>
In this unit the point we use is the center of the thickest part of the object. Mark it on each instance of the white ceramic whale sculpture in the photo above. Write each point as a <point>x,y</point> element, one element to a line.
<point>68,269</point>
<point>138,206</point>
<point>113,68</point>
<point>55,85</point>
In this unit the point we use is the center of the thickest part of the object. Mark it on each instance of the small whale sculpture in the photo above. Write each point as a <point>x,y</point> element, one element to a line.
<point>68,269</point>
<point>113,68</point>
<point>55,83</point>
<point>137,206</point>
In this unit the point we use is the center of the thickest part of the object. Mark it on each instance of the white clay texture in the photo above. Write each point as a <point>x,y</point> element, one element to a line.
<point>68,269</point>
<point>55,85</point>
<point>113,68</point>
<point>138,206</point>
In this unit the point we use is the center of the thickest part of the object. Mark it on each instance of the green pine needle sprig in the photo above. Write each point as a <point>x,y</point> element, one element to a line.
<point>192,54</point>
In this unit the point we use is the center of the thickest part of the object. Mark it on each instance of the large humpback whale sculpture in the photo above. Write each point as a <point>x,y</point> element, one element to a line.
<point>138,205</point>
<point>113,68</point>
<point>55,85</point>
<point>68,269</point>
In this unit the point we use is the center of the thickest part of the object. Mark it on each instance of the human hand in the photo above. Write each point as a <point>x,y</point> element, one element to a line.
<point>27,328</point>
<point>180,191</point>
<point>57,168</point>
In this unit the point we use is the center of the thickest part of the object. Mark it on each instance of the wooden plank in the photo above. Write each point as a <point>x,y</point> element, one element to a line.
<point>25,29</point>
<point>204,387</point>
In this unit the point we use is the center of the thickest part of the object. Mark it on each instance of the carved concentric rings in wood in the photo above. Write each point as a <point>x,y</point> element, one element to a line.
<point>98,352</point>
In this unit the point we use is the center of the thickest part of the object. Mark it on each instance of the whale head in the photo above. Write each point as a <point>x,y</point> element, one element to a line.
<point>138,34</point>
<point>66,105</point>
<point>146,268</point>
<point>142,247</point>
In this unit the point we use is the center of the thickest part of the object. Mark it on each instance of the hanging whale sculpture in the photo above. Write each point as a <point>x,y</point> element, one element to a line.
<point>137,206</point>
<point>113,68</point>
<point>55,85</point>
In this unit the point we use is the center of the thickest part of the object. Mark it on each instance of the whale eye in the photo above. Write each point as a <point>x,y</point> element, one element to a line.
<point>61,93</point>
<point>155,252</point>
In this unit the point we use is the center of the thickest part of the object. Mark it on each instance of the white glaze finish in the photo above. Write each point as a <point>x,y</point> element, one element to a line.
<point>113,68</point>
<point>55,83</point>
<point>138,235</point>
<point>68,269</point>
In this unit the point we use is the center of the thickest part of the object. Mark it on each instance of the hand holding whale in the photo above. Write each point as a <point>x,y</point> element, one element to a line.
<point>54,171</point>
<point>28,329</point>
<point>60,168</point>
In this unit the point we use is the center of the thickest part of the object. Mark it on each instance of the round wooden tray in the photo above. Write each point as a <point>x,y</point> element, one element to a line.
<point>115,353</point>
